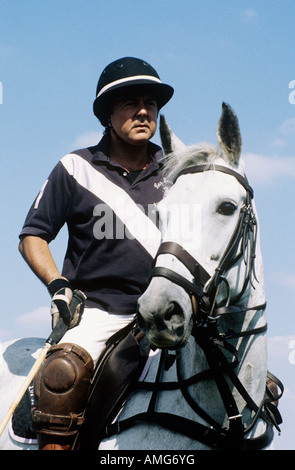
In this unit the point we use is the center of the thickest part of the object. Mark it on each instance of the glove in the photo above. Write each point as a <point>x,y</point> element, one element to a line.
<point>65,303</point>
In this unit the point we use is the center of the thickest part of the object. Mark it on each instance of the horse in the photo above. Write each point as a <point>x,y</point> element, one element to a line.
<point>203,312</point>
<point>204,309</point>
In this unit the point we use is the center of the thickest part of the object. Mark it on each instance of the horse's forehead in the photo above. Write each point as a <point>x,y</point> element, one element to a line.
<point>205,185</point>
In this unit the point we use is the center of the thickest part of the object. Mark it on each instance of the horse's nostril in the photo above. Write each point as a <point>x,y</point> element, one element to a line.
<point>174,313</point>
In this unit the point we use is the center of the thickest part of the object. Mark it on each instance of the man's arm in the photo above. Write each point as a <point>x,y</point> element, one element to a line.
<point>36,253</point>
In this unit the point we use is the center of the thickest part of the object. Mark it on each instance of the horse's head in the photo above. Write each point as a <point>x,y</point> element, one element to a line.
<point>207,206</point>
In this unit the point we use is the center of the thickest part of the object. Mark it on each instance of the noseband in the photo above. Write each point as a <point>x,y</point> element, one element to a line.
<point>205,288</point>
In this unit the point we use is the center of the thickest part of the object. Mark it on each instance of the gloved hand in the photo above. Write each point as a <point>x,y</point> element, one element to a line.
<point>62,296</point>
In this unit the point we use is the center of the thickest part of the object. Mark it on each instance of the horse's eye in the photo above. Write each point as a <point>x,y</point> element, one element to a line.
<point>226,208</point>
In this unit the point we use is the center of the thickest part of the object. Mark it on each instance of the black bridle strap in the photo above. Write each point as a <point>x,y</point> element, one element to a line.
<point>213,358</point>
<point>191,429</point>
<point>201,168</point>
<point>228,259</point>
<point>229,309</point>
<point>177,279</point>
<point>199,274</point>
<point>214,436</point>
<point>184,426</point>
<point>173,248</point>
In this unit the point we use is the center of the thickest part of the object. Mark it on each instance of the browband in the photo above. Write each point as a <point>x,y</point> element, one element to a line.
<point>200,168</point>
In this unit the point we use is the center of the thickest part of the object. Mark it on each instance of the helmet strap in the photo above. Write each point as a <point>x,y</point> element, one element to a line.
<point>110,128</point>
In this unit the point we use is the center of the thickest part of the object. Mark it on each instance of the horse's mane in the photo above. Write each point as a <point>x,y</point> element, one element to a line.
<point>198,154</point>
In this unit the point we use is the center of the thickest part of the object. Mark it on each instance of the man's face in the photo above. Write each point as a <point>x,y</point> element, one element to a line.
<point>134,118</point>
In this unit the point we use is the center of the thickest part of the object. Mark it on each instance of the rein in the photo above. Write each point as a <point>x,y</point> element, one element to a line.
<point>214,435</point>
<point>204,290</point>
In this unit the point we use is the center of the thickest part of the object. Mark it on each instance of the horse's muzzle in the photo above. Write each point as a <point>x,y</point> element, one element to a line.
<point>164,328</point>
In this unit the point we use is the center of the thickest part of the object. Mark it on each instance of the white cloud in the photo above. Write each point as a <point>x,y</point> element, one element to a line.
<point>249,14</point>
<point>5,334</point>
<point>285,134</point>
<point>88,139</point>
<point>288,127</point>
<point>37,316</point>
<point>35,323</point>
<point>281,346</point>
<point>279,143</point>
<point>281,352</point>
<point>264,169</point>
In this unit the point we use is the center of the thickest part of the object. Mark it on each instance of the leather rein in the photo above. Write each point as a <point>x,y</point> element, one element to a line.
<point>203,290</point>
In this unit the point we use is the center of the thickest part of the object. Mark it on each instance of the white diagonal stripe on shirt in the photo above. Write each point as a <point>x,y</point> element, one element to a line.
<point>138,224</point>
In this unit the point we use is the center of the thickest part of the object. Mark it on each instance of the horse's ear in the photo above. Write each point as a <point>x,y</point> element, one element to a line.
<point>228,134</point>
<point>170,142</point>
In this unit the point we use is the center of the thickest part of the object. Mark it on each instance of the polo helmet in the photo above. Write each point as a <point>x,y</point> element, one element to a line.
<point>128,72</point>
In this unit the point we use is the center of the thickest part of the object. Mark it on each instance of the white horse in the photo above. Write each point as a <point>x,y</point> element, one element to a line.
<point>203,310</point>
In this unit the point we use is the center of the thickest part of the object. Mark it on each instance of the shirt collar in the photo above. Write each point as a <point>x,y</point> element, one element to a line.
<point>100,152</point>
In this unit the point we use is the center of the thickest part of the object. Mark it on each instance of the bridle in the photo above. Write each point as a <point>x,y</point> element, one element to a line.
<point>203,290</point>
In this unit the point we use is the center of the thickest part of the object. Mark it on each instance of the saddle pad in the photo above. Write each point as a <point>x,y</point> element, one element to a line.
<point>20,426</point>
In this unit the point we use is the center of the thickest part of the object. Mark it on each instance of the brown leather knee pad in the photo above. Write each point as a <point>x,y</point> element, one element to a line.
<point>61,389</point>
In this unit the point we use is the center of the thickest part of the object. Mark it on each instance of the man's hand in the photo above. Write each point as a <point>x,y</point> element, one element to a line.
<point>62,294</point>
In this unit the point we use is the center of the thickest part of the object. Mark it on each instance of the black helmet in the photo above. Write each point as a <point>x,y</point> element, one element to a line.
<point>123,73</point>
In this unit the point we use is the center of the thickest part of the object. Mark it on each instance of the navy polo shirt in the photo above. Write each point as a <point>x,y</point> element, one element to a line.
<point>113,234</point>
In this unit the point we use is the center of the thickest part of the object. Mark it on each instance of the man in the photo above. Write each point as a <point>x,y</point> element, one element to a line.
<point>104,194</point>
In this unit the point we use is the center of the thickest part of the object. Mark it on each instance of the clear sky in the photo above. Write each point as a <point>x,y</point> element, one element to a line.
<point>238,51</point>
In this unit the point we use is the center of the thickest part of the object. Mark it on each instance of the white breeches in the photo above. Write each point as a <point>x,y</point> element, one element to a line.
<point>95,327</point>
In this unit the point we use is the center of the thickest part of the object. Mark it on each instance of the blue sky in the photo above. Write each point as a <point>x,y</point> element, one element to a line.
<point>241,52</point>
